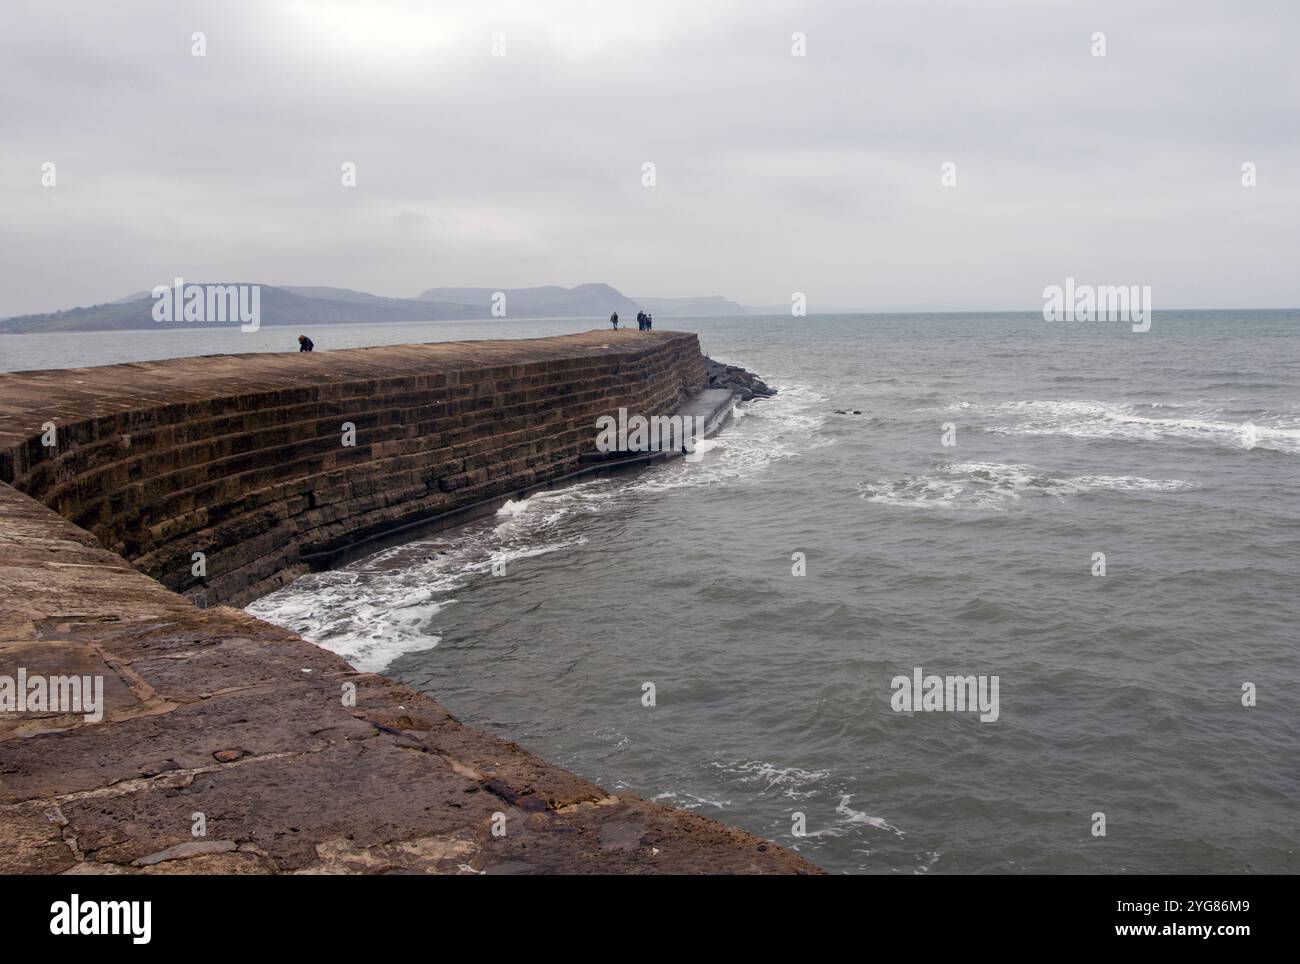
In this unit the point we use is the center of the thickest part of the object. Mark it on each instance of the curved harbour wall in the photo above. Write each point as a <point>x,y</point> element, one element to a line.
<point>246,458</point>
<point>296,762</point>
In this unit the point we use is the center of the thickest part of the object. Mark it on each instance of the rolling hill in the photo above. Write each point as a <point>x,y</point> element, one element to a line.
<point>287,305</point>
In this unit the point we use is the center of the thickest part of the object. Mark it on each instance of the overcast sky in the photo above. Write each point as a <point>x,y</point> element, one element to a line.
<point>774,173</point>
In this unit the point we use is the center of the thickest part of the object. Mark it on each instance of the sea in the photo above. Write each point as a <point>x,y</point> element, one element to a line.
<point>1106,522</point>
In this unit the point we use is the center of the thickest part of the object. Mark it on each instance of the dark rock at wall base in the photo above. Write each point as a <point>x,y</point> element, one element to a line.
<point>740,382</point>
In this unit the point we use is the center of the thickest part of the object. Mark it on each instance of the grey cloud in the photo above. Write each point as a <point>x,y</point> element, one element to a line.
<point>775,173</point>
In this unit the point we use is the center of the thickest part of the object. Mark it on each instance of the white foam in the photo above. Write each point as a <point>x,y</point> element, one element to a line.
<point>690,801</point>
<point>531,552</point>
<point>387,605</point>
<point>765,431</point>
<point>367,629</point>
<point>1132,483</point>
<point>851,821</point>
<point>1102,420</point>
<point>706,445</point>
<point>791,782</point>
<point>997,486</point>
<point>858,817</point>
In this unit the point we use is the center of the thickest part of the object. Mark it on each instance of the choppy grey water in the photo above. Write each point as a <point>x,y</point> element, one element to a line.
<point>1175,452</point>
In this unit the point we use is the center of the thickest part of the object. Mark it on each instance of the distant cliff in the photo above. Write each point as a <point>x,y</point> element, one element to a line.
<point>279,306</point>
<point>297,306</point>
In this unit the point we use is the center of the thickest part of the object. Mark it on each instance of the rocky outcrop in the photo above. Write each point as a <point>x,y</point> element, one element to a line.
<point>287,759</point>
<point>744,384</point>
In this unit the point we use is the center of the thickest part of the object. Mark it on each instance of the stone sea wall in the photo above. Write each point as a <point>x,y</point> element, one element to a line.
<point>245,458</point>
<point>288,759</point>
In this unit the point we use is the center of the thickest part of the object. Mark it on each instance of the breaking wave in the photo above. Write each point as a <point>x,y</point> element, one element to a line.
<point>386,605</point>
<point>1150,422</point>
<point>992,485</point>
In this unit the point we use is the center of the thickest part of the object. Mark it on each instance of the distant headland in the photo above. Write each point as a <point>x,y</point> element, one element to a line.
<point>290,305</point>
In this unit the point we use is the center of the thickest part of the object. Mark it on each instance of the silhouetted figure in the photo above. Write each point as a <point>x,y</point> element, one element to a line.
<point>640,321</point>
<point>649,321</point>
<point>613,320</point>
<point>305,343</point>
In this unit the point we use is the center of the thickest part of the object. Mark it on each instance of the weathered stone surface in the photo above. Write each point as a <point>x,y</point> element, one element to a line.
<point>241,456</point>
<point>212,712</point>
